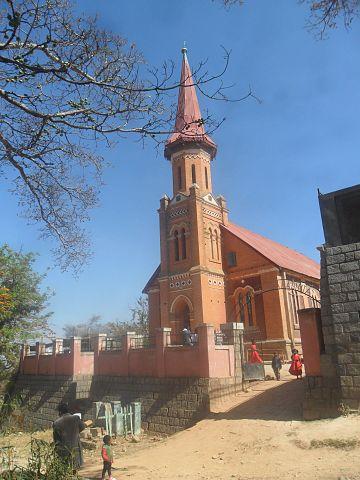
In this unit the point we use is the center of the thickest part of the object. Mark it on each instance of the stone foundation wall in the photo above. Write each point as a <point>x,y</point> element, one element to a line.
<point>168,405</point>
<point>339,384</point>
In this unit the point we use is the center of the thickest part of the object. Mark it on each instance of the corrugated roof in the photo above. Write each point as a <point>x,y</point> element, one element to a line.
<point>278,254</point>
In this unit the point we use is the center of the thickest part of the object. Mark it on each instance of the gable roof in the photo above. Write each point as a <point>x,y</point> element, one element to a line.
<point>151,280</point>
<point>275,252</point>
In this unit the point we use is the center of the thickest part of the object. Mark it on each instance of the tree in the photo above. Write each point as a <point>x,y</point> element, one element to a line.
<point>139,323</point>
<point>326,14</point>
<point>90,327</point>
<point>139,320</point>
<point>23,305</point>
<point>65,87</point>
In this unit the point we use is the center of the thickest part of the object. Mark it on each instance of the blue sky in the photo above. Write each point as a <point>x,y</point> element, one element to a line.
<point>271,159</point>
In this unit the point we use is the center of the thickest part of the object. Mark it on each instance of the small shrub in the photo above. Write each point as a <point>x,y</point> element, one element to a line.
<point>43,464</point>
<point>338,443</point>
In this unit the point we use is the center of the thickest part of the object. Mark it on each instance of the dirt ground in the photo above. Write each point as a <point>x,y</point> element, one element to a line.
<point>260,435</point>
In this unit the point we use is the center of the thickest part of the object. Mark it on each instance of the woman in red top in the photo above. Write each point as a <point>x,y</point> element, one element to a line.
<point>296,364</point>
<point>254,356</point>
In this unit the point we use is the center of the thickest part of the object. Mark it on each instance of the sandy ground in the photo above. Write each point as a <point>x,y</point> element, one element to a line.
<point>259,435</point>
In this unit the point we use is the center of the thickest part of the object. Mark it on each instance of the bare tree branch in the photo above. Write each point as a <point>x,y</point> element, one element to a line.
<point>65,87</point>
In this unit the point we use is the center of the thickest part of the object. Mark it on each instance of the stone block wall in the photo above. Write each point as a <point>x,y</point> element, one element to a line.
<point>338,386</point>
<point>168,404</point>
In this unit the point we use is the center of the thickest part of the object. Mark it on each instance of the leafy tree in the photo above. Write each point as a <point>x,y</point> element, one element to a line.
<point>65,87</point>
<point>23,305</point>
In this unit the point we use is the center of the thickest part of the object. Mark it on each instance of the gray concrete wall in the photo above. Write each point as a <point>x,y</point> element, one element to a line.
<point>168,405</point>
<point>338,387</point>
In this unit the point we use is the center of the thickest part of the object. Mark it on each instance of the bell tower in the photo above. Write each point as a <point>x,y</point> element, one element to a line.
<point>190,280</point>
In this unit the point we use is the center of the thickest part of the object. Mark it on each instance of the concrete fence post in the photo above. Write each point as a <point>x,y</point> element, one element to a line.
<point>37,355</point>
<point>99,341</point>
<point>206,348</point>
<point>56,349</point>
<point>126,347</point>
<point>161,342</point>
<point>22,357</point>
<point>75,349</point>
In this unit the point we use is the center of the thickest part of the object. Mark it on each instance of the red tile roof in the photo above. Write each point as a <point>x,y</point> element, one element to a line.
<point>275,252</point>
<point>188,125</point>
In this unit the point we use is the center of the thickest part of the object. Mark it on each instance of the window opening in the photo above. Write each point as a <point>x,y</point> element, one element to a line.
<point>217,245</point>
<point>177,250</point>
<point>183,243</point>
<point>212,243</point>
<point>249,309</point>
<point>179,178</point>
<point>206,179</point>
<point>231,259</point>
<point>193,173</point>
<point>241,309</point>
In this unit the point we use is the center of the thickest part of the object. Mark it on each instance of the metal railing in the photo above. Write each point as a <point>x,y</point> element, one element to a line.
<point>140,341</point>
<point>222,338</point>
<point>182,340</point>
<point>112,344</point>
<point>86,345</point>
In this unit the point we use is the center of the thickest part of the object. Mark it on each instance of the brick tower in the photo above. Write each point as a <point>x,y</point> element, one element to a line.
<point>188,287</point>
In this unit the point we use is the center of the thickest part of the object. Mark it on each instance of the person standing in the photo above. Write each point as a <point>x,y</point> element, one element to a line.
<point>254,356</point>
<point>296,364</point>
<point>66,434</point>
<point>276,365</point>
<point>107,456</point>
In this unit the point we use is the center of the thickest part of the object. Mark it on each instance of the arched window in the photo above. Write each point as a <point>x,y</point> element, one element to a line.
<point>179,178</point>
<point>217,245</point>
<point>206,179</point>
<point>249,309</point>
<point>211,242</point>
<point>193,173</point>
<point>241,309</point>
<point>176,245</point>
<point>183,243</point>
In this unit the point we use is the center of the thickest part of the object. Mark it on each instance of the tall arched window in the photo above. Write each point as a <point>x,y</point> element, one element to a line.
<point>241,309</point>
<point>183,243</point>
<point>193,173</point>
<point>217,245</point>
<point>211,242</point>
<point>179,178</point>
<point>176,246</point>
<point>249,309</point>
<point>206,179</point>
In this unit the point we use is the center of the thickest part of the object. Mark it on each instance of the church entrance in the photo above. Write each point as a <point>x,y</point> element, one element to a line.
<point>181,319</point>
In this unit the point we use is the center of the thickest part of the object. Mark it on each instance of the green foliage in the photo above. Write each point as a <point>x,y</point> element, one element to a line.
<point>22,312</point>
<point>43,464</point>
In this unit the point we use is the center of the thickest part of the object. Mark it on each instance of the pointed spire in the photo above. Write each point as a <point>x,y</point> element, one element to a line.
<point>188,125</point>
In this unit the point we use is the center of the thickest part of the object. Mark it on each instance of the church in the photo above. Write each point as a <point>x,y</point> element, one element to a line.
<point>211,270</point>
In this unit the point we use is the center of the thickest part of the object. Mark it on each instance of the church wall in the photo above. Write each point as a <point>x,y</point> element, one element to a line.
<point>154,310</point>
<point>272,306</point>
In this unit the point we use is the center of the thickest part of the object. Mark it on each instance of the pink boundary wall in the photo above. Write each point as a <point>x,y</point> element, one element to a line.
<point>203,360</point>
<point>309,319</point>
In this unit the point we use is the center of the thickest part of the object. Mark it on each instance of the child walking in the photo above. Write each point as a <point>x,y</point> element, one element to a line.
<point>107,456</point>
<point>276,365</point>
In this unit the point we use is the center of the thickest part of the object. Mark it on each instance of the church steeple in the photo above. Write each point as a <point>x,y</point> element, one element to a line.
<point>189,129</point>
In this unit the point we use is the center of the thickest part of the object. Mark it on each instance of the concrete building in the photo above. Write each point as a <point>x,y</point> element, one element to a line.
<point>211,270</point>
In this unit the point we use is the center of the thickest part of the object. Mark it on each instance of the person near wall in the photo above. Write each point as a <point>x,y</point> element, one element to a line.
<point>276,365</point>
<point>296,364</point>
<point>108,458</point>
<point>254,355</point>
<point>187,337</point>
<point>66,434</point>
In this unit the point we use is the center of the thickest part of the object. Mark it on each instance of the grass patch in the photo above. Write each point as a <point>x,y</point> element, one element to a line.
<point>338,443</point>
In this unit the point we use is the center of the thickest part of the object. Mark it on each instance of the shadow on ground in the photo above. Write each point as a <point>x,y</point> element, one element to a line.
<point>283,403</point>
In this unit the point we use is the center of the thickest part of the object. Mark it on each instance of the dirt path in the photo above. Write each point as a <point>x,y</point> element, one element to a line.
<point>261,436</point>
